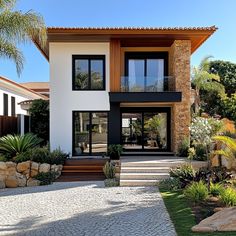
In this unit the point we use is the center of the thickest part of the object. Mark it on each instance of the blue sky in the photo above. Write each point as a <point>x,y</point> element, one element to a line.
<point>222,45</point>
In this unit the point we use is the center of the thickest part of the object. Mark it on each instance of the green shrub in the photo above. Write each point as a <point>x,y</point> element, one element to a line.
<point>216,189</point>
<point>109,170</point>
<point>228,197</point>
<point>170,184</point>
<point>200,153</point>
<point>196,192</point>
<point>111,182</point>
<point>183,148</point>
<point>114,151</point>
<point>41,155</point>
<point>16,144</point>
<point>46,178</point>
<point>184,173</point>
<point>58,157</point>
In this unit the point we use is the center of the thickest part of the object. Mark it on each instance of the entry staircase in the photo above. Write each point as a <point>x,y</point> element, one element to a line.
<point>148,170</point>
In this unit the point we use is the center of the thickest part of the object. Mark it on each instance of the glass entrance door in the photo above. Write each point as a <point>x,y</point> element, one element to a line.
<point>145,131</point>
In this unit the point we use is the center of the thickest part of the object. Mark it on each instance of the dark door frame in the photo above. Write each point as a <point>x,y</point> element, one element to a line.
<point>142,110</point>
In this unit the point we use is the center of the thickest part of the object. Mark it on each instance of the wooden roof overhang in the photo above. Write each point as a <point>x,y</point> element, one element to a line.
<point>129,37</point>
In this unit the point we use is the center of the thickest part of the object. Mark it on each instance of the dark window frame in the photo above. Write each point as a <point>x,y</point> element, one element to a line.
<point>89,58</point>
<point>145,56</point>
<point>143,110</point>
<point>90,153</point>
<point>5,104</point>
<point>13,106</point>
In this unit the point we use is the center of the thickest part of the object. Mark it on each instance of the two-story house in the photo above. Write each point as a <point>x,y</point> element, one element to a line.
<point>128,86</point>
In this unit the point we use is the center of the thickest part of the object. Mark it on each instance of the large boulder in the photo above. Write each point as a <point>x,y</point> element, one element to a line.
<point>3,168</point>
<point>32,182</point>
<point>44,168</point>
<point>224,220</point>
<point>21,179</point>
<point>11,182</point>
<point>11,168</point>
<point>34,169</point>
<point>23,167</point>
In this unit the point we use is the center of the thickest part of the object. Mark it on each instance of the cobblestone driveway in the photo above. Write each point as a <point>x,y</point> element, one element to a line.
<point>83,209</point>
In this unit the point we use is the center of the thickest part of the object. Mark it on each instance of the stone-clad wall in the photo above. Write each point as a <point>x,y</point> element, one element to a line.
<point>179,60</point>
<point>14,175</point>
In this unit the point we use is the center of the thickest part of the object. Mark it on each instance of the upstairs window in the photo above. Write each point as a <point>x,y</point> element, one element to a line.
<point>5,104</point>
<point>88,72</point>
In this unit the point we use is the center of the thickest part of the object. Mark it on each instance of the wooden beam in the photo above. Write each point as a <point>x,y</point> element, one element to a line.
<point>115,65</point>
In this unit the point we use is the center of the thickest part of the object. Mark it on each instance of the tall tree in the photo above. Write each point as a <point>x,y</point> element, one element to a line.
<point>18,27</point>
<point>202,79</point>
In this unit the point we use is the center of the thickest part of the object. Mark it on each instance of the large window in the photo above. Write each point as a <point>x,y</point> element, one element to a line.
<point>88,72</point>
<point>13,106</point>
<point>89,133</point>
<point>145,72</point>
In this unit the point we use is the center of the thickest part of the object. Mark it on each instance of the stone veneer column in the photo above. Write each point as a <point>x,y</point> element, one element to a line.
<point>180,53</point>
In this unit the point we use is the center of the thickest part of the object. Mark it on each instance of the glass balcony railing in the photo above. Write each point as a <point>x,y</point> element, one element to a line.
<point>145,84</point>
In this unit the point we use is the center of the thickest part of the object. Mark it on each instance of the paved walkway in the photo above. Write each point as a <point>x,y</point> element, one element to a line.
<point>83,209</point>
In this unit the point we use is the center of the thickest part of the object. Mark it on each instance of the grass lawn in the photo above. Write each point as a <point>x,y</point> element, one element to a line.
<point>181,215</point>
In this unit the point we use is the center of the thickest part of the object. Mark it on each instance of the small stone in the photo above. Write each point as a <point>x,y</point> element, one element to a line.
<point>33,182</point>
<point>21,180</point>
<point>23,166</point>
<point>11,182</point>
<point>44,168</point>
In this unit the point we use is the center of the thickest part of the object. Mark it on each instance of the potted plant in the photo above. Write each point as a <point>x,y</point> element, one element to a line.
<point>114,151</point>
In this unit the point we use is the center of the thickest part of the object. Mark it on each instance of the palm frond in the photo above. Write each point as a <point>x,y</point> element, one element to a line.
<point>205,64</point>
<point>22,27</point>
<point>229,142</point>
<point>7,4</point>
<point>226,153</point>
<point>10,51</point>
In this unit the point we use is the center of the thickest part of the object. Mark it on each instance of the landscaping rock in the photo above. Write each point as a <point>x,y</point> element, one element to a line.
<point>23,167</point>
<point>44,168</point>
<point>32,182</point>
<point>2,183</point>
<point>11,182</point>
<point>3,166</point>
<point>11,168</point>
<point>34,169</point>
<point>224,220</point>
<point>21,180</point>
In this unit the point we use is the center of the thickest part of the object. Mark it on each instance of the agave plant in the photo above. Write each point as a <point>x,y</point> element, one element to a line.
<point>230,147</point>
<point>15,144</point>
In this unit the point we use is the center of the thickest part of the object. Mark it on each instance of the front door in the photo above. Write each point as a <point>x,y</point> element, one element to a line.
<point>146,130</point>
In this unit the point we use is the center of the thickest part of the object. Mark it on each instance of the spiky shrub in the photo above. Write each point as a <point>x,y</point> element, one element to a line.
<point>183,148</point>
<point>15,144</point>
<point>114,151</point>
<point>184,173</point>
<point>196,192</point>
<point>228,197</point>
<point>109,170</point>
<point>216,189</point>
<point>46,178</point>
<point>58,157</point>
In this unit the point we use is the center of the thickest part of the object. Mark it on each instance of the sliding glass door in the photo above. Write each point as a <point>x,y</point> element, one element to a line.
<point>89,133</point>
<point>146,131</point>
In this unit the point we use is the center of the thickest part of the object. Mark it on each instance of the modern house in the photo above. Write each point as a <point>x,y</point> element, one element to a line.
<point>38,87</point>
<point>128,86</point>
<point>13,95</point>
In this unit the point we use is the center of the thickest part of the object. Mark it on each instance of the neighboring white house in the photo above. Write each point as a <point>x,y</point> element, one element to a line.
<point>12,94</point>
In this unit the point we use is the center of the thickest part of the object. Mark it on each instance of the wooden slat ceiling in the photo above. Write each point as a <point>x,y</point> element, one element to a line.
<point>129,37</point>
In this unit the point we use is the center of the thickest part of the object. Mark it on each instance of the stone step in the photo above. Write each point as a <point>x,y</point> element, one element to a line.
<point>132,183</point>
<point>141,169</point>
<point>151,163</point>
<point>143,176</point>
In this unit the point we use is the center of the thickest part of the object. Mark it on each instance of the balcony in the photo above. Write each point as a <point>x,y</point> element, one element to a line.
<point>145,84</point>
<point>145,89</point>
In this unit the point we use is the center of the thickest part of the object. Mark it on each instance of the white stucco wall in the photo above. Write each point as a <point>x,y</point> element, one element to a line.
<point>62,99</point>
<point>19,98</point>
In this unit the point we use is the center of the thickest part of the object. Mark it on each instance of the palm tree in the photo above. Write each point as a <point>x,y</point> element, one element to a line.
<point>230,147</point>
<point>17,27</point>
<point>202,79</point>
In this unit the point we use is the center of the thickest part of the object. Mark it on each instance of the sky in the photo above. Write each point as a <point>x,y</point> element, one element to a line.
<point>132,13</point>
